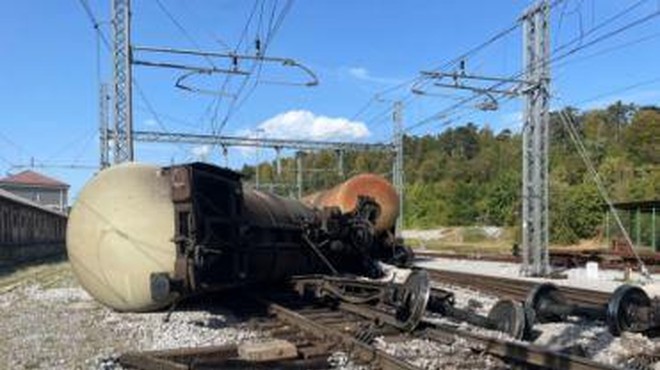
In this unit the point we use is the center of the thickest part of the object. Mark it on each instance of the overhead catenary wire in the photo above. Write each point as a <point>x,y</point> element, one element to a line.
<point>569,124</point>
<point>609,20</point>
<point>219,98</point>
<point>106,42</point>
<point>209,32</point>
<point>182,29</point>
<point>445,112</point>
<point>409,97</point>
<point>18,147</point>
<point>608,50</point>
<point>469,53</point>
<point>236,104</point>
<point>619,90</point>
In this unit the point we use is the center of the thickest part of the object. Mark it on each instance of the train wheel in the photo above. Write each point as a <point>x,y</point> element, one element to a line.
<point>414,298</point>
<point>623,307</point>
<point>510,318</point>
<point>541,298</point>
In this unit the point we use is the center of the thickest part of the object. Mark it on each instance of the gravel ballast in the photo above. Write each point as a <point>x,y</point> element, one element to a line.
<point>60,326</point>
<point>49,322</point>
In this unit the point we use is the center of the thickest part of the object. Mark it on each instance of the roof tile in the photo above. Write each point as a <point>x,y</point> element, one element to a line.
<point>29,177</point>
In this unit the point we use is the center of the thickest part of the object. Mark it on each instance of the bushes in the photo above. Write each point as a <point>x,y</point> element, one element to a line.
<point>472,176</point>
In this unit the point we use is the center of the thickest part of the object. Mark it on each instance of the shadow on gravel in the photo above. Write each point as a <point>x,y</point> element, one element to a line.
<point>227,306</point>
<point>567,338</point>
<point>8,267</point>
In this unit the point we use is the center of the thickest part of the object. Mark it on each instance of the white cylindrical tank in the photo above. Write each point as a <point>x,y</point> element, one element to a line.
<point>119,232</point>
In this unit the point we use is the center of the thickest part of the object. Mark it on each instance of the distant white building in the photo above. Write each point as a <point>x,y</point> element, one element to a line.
<point>38,188</point>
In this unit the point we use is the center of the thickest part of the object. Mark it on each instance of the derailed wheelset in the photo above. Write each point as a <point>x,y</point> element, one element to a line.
<point>405,305</point>
<point>629,309</point>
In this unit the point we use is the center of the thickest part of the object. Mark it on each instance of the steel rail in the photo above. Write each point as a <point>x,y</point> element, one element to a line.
<point>559,258</point>
<point>511,350</point>
<point>364,351</point>
<point>525,353</point>
<point>325,327</point>
<point>176,359</point>
<point>514,288</point>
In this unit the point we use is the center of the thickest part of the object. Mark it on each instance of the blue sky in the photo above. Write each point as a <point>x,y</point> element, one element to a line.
<point>48,56</point>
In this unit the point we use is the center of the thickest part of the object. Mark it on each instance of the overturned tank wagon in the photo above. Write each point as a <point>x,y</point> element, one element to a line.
<point>346,197</point>
<point>141,237</point>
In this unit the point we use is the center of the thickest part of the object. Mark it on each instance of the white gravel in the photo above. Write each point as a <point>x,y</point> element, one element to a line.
<point>59,326</point>
<point>591,338</point>
<point>62,327</point>
<point>428,354</point>
<point>595,342</point>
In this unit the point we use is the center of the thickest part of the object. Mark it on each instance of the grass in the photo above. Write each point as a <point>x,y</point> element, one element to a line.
<point>467,240</point>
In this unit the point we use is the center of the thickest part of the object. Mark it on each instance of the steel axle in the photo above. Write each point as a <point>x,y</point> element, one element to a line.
<point>506,316</point>
<point>628,309</point>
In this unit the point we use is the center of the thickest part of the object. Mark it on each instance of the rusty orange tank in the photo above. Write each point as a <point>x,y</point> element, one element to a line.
<point>345,196</point>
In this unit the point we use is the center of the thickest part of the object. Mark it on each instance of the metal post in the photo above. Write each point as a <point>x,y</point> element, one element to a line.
<point>225,155</point>
<point>122,81</point>
<point>278,161</point>
<point>340,163</point>
<point>258,155</point>
<point>654,242</point>
<point>299,176</point>
<point>638,227</point>
<point>104,160</point>
<point>256,175</point>
<point>608,240</point>
<point>397,170</point>
<point>536,50</point>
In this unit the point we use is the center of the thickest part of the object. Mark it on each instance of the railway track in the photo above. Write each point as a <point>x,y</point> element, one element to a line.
<point>321,333</point>
<point>563,259</point>
<point>47,274</point>
<point>513,288</point>
<point>318,333</point>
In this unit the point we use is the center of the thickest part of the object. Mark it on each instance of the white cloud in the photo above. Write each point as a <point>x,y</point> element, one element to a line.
<point>359,72</point>
<point>150,122</point>
<point>201,152</point>
<point>363,74</point>
<point>303,124</point>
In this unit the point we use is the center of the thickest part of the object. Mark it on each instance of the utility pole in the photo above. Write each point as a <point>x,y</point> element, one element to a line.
<point>225,155</point>
<point>536,118</point>
<point>299,172</point>
<point>534,87</point>
<point>258,165</point>
<point>122,81</point>
<point>397,170</point>
<point>278,162</point>
<point>340,162</point>
<point>103,126</point>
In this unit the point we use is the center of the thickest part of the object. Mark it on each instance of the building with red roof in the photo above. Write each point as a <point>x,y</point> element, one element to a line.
<point>38,188</point>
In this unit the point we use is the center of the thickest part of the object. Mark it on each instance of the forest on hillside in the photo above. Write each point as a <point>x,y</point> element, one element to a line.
<point>470,175</point>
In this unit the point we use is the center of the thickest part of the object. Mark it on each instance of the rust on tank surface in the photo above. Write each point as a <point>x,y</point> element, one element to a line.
<point>345,197</point>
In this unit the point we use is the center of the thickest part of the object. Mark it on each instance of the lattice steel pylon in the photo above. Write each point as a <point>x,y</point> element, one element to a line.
<point>536,118</point>
<point>104,160</point>
<point>122,82</point>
